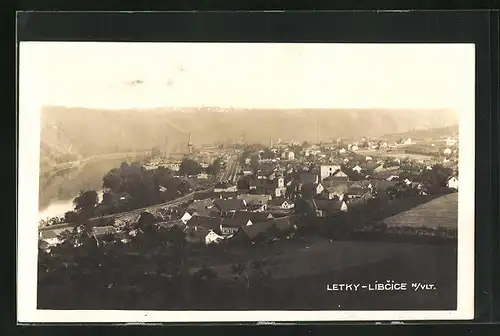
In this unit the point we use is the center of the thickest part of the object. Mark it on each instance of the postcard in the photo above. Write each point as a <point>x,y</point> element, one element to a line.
<point>245,182</point>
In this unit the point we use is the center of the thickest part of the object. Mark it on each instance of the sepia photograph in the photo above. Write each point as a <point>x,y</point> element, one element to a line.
<point>178,182</point>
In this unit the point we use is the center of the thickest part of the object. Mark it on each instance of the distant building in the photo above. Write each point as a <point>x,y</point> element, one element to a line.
<point>447,151</point>
<point>451,141</point>
<point>452,182</point>
<point>280,203</point>
<point>291,155</point>
<point>328,170</point>
<point>326,208</point>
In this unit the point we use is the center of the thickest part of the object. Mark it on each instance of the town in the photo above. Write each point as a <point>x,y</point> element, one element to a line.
<point>220,199</point>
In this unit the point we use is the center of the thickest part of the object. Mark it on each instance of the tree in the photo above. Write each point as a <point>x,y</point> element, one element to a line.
<point>215,167</point>
<point>243,183</point>
<point>86,202</point>
<point>70,217</point>
<point>189,167</point>
<point>146,222</point>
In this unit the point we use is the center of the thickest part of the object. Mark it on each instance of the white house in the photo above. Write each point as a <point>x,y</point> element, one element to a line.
<point>342,151</point>
<point>369,158</point>
<point>212,238</point>
<point>248,161</point>
<point>447,151</point>
<point>291,155</point>
<point>354,148</point>
<point>186,217</point>
<point>328,170</point>
<point>319,188</point>
<point>452,182</point>
<point>357,169</point>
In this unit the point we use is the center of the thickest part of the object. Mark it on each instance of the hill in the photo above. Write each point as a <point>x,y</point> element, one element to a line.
<point>425,134</point>
<point>87,132</point>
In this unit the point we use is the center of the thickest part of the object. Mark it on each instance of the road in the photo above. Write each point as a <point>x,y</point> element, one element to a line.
<point>134,212</point>
<point>231,172</point>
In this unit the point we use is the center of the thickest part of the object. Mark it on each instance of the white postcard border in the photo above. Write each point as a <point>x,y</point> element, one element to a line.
<point>28,170</point>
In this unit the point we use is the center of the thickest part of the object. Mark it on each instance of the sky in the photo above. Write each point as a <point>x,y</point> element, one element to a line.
<point>243,75</point>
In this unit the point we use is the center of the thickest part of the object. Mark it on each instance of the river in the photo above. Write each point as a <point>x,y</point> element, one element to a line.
<point>57,192</point>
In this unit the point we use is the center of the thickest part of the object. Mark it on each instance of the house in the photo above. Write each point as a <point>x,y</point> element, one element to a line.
<point>207,223</point>
<point>226,195</point>
<point>226,207</point>
<point>172,223</point>
<point>212,238</point>
<point>369,158</point>
<point>338,176</point>
<point>186,217</point>
<point>379,168</point>
<point>102,231</point>
<point>247,171</point>
<point>452,182</point>
<point>336,190</point>
<point>342,150</point>
<point>230,225</point>
<point>357,169</point>
<point>393,178</point>
<point>451,141</point>
<point>248,161</point>
<point>259,202</point>
<point>407,141</point>
<point>225,186</point>
<point>280,203</point>
<point>312,188</point>
<point>202,176</point>
<point>383,185</point>
<point>386,173</point>
<point>447,151</point>
<point>328,170</point>
<point>50,237</point>
<point>370,167</point>
<point>253,216</point>
<point>203,208</point>
<point>263,230</point>
<point>357,191</point>
<point>291,155</point>
<point>309,178</point>
<point>325,208</point>
<point>204,195</point>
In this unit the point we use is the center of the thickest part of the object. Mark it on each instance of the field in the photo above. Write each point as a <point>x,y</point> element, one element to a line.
<point>328,256</point>
<point>440,212</point>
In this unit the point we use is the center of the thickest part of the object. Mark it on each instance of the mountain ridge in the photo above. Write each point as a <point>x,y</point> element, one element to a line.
<point>85,132</point>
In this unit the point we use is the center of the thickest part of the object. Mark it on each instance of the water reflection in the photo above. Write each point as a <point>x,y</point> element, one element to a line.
<point>57,190</point>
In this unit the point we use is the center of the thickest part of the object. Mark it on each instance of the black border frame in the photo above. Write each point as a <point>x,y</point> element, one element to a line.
<point>479,27</point>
